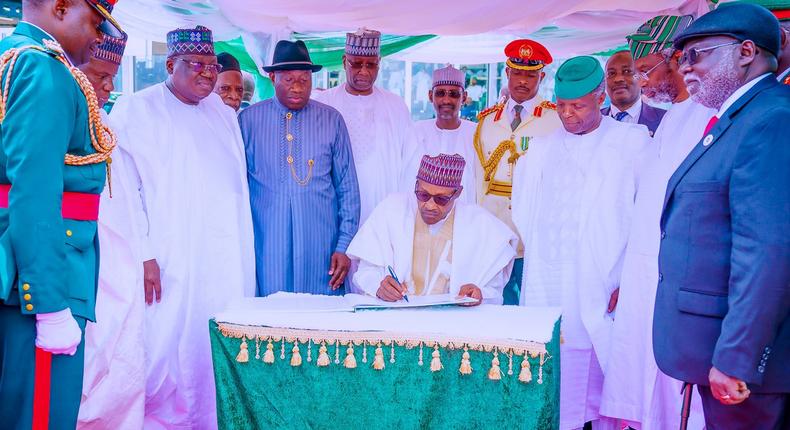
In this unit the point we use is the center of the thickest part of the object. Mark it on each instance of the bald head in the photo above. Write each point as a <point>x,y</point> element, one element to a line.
<point>622,87</point>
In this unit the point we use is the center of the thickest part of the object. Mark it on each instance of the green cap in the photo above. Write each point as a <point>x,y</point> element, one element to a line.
<point>578,77</point>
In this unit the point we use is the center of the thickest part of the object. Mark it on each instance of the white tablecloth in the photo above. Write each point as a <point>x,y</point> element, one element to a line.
<point>314,312</point>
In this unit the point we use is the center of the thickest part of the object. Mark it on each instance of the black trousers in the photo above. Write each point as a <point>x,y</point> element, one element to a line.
<point>758,412</point>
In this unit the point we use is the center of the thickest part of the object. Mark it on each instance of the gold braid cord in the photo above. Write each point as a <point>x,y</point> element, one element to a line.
<point>102,138</point>
<point>490,165</point>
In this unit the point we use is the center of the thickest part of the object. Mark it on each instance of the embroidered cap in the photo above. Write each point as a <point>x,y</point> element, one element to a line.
<point>443,170</point>
<point>449,76</point>
<point>363,43</point>
<point>111,49</point>
<point>656,34</point>
<point>190,41</point>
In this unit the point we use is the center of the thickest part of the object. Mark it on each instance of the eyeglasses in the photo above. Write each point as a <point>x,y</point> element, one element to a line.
<point>452,93</point>
<point>363,64</point>
<point>643,76</point>
<point>692,54</point>
<point>199,67</point>
<point>424,196</point>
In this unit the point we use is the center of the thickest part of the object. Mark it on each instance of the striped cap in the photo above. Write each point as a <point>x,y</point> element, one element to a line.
<point>111,49</point>
<point>443,170</point>
<point>656,34</point>
<point>190,41</point>
<point>364,43</point>
<point>449,76</point>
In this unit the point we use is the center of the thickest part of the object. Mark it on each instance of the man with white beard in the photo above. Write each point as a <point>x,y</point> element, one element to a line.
<point>721,319</point>
<point>572,204</point>
<point>634,389</point>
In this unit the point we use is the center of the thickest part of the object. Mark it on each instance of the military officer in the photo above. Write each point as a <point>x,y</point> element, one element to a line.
<point>503,134</point>
<point>53,163</point>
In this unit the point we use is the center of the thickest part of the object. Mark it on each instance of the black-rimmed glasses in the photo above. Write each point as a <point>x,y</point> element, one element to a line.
<point>692,54</point>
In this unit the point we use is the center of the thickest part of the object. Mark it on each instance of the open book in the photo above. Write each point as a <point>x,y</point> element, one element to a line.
<point>308,303</point>
<point>360,302</point>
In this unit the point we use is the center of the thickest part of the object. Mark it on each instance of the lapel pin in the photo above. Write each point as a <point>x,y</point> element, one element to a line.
<point>708,140</point>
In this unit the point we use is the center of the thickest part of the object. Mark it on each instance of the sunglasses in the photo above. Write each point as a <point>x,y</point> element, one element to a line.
<point>439,200</point>
<point>198,67</point>
<point>692,55</point>
<point>452,93</point>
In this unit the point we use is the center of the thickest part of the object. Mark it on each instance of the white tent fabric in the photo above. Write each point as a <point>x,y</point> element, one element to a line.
<point>470,31</point>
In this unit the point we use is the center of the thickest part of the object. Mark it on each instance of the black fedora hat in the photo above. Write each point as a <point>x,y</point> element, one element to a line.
<point>291,56</point>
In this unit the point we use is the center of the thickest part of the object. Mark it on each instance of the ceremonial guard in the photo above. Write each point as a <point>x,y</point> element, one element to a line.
<point>55,155</point>
<point>503,134</point>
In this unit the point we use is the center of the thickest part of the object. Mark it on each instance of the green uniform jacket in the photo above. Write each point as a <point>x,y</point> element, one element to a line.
<point>47,116</point>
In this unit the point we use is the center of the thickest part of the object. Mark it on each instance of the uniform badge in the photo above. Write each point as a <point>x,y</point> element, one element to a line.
<point>524,143</point>
<point>525,51</point>
<point>708,140</point>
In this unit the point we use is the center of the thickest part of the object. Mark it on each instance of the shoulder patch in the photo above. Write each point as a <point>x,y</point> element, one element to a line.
<point>484,113</point>
<point>548,105</point>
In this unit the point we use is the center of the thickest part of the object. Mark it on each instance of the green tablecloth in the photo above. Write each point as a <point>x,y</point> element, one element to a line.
<point>253,394</point>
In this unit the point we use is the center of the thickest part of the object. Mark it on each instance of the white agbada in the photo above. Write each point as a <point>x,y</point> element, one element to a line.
<point>113,390</point>
<point>634,389</point>
<point>379,125</point>
<point>572,204</point>
<point>483,248</point>
<point>431,140</point>
<point>193,211</point>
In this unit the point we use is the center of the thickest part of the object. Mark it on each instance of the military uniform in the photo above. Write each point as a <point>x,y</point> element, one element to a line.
<point>499,146</point>
<point>51,175</point>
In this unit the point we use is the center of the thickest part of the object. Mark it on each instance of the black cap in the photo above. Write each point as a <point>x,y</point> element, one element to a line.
<point>228,62</point>
<point>743,21</point>
<point>291,56</point>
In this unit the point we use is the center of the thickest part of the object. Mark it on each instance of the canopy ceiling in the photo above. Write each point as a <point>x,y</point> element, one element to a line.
<point>471,31</point>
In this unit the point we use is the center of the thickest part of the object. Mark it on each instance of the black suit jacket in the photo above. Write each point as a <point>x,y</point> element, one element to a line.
<point>649,116</point>
<point>724,263</point>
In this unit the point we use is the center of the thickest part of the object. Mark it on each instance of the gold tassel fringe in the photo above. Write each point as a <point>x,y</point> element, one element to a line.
<point>495,374</point>
<point>350,362</point>
<point>268,356</point>
<point>525,375</point>
<point>436,362</point>
<point>466,364</point>
<point>296,358</point>
<point>378,360</point>
<point>323,357</point>
<point>244,355</point>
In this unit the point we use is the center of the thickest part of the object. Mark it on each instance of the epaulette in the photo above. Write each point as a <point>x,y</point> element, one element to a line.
<point>538,112</point>
<point>548,105</point>
<point>495,108</point>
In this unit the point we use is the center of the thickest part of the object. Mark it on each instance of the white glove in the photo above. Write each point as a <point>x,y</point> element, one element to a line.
<point>58,332</point>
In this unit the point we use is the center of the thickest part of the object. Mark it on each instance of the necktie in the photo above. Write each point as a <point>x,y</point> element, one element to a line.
<point>621,116</point>
<point>713,120</point>
<point>516,117</point>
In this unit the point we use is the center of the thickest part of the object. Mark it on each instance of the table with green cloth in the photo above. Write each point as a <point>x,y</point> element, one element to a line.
<point>295,361</point>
